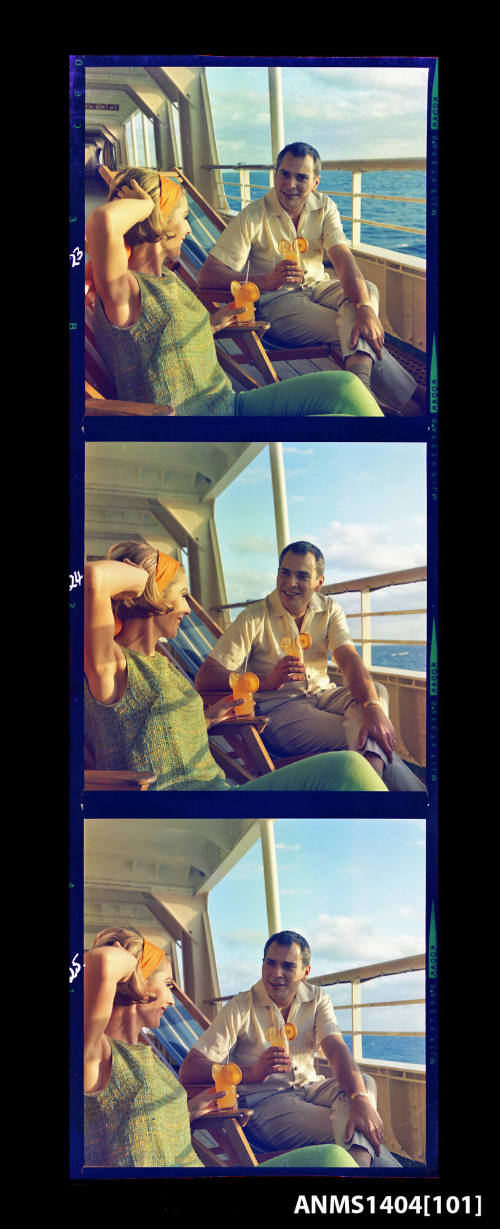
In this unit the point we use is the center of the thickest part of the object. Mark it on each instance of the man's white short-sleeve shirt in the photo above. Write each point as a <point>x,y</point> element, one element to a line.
<point>238,1033</point>
<point>254,639</point>
<point>258,229</point>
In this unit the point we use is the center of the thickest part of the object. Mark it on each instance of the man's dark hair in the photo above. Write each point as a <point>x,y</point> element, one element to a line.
<point>285,938</point>
<point>299,149</point>
<point>302,548</point>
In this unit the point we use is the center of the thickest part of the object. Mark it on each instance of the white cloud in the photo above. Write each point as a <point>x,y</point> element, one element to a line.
<point>352,549</point>
<point>339,942</point>
<point>245,936</point>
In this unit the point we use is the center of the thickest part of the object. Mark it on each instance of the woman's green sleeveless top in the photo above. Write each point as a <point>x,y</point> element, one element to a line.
<point>168,356</point>
<point>158,726</point>
<point>140,1119</point>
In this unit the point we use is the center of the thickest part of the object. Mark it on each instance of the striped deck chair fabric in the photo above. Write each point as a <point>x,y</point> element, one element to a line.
<point>192,644</point>
<point>177,1033</point>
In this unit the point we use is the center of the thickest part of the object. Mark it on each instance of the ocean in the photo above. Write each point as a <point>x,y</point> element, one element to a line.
<point>399,656</point>
<point>394,1049</point>
<point>383,183</point>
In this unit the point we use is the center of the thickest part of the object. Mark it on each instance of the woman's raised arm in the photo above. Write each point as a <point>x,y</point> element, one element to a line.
<point>104,968</point>
<point>105,230</point>
<point>104,660</point>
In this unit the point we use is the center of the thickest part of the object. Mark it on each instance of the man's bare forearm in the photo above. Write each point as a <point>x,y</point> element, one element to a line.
<point>212,677</point>
<point>196,1069</point>
<point>214,273</point>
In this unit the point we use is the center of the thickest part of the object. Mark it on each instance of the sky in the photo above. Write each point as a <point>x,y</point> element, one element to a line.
<point>343,112</point>
<point>364,505</point>
<point>354,888</point>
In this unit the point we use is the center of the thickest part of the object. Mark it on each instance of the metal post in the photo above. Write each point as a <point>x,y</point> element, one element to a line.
<point>270,875</point>
<point>276,112</point>
<point>366,627</point>
<point>356,208</point>
<point>357,1039</point>
<point>279,495</point>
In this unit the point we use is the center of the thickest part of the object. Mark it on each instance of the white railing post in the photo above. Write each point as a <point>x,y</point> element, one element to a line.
<point>366,627</point>
<point>244,186</point>
<point>357,1039</point>
<point>356,208</point>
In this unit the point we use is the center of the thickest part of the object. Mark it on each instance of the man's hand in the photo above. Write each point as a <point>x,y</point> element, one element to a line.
<point>379,727</point>
<point>286,273</point>
<point>272,1060</point>
<point>286,670</point>
<point>223,710</point>
<point>368,326</point>
<point>364,1117</point>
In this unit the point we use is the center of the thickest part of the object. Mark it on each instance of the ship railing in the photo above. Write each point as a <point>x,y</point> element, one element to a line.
<point>356,196</point>
<point>362,618</point>
<point>354,980</point>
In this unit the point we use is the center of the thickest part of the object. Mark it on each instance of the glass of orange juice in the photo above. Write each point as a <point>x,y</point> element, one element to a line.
<point>226,1076</point>
<point>281,1036</point>
<point>243,687</point>
<point>292,249</point>
<point>294,647</point>
<point>245,295</point>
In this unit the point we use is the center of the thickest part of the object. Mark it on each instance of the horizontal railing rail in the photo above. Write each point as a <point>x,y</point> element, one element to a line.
<point>355,978</point>
<point>355,167</point>
<point>365,586</point>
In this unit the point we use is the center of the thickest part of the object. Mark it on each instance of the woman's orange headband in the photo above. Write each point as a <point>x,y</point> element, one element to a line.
<point>166,569</point>
<point>151,957</point>
<point>169,193</point>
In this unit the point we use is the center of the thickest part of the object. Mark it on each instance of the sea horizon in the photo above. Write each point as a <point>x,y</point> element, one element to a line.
<point>380,183</point>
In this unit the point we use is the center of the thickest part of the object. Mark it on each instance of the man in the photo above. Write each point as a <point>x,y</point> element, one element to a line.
<point>306,713</point>
<point>292,1107</point>
<point>304,305</point>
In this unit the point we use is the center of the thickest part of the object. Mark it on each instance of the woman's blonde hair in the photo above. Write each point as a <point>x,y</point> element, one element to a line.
<point>151,602</point>
<point>156,227</point>
<point>134,990</point>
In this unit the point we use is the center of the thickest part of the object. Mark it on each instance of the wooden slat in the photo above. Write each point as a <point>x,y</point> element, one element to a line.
<point>117,779</point>
<point>96,408</point>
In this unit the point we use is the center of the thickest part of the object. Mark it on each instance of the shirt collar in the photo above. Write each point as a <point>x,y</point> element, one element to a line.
<point>304,993</point>
<point>277,609</point>
<point>312,202</point>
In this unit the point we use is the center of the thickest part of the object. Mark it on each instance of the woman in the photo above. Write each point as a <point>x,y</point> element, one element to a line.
<point>155,335</point>
<point>141,713</point>
<point>136,1112</point>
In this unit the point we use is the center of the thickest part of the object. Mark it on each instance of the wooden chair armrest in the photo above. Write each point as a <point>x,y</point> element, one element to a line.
<point>250,326</point>
<point>242,1116</point>
<point>236,723</point>
<point>142,408</point>
<point>117,779</point>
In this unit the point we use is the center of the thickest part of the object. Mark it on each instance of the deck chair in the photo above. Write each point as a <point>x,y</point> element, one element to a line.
<point>207,225</point>
<point>221,1139</point>
<point>115,779</point>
